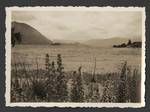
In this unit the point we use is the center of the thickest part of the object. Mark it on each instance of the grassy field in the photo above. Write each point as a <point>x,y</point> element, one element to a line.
<point>78,74</point>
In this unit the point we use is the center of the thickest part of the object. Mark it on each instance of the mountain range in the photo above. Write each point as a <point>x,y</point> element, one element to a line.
<point>30,35</point>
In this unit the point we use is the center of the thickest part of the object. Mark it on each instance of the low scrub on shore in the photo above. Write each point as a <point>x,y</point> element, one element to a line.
<point>54,84</point>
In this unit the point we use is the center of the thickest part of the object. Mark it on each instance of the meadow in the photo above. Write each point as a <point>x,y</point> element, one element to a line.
<point>75,73</point>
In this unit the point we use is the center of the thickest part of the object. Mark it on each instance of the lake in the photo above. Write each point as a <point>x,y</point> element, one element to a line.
<point>74,56</point>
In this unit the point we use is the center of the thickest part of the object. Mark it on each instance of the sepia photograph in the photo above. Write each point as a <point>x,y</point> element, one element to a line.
<point>75,56</point>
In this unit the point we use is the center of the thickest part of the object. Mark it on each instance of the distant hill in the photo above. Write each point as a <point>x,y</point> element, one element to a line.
<point>29,34</point>
<point>107,42</point>
<point>63,41</point>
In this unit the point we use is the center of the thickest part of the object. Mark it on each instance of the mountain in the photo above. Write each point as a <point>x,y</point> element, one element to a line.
<point>29,34</point>
<point>107,42</point>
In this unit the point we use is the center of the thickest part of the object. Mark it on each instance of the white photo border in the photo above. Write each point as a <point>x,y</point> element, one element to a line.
<point>73,105</point>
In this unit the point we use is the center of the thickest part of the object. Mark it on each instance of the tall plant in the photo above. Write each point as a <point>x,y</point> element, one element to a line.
<point>122,84</point>
<point>61,83</point>
<point>77,92</point>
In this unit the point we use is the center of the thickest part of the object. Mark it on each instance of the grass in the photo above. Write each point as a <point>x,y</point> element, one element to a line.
<point>53,84</point>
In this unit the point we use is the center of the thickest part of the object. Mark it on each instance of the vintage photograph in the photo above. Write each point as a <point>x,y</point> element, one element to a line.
<point>75,56</point>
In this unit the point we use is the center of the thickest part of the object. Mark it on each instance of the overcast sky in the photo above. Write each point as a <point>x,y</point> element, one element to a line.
<point>82,25</point>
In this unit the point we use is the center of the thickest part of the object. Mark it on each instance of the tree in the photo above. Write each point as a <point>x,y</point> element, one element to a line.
<point>15,37</point>
<point>18,37</point>
<point>129,42</point>
<point>12,37</point>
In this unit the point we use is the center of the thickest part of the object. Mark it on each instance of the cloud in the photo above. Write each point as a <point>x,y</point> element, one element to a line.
<point>22,16</point>
<point>82,25</point>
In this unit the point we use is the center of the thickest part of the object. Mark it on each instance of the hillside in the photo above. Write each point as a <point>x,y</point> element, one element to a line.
<point>29,34</point>
<point>107,42</point>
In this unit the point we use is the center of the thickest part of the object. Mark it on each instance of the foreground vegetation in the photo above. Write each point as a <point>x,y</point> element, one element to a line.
<point>53,84</point>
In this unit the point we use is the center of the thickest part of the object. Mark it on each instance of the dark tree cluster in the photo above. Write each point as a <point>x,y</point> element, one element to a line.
<point>15,37</point>
<point>129,44</point>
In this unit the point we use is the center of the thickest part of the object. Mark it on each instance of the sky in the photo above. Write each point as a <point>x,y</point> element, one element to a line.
<point>83,25</point>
